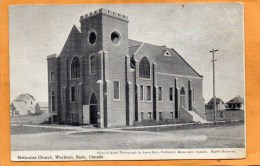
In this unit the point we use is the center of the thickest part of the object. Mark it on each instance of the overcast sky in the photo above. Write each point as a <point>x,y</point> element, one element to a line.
<point>191,29</point>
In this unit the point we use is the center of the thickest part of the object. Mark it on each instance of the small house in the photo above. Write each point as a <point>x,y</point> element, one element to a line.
<point>220,105</point>
<point>237,103</point>
<point>24,104</point>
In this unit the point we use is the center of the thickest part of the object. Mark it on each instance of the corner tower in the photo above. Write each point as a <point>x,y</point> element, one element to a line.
<point>105,34</point>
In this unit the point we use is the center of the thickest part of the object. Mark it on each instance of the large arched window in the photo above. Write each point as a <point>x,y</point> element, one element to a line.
<point>75,68</point>
<point>144,68</point>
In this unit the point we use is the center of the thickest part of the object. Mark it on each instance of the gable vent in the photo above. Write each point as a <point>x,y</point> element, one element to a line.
<point>167,53</point>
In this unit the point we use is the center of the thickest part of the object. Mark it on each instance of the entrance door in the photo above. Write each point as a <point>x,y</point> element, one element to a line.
<point>93,109</point>
<point>182,97</point>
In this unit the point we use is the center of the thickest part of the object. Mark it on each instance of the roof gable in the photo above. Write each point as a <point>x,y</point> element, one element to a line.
<point>167,53</point>
<point>73,43</point>
<point>237,99</point>
<point>24,96</point>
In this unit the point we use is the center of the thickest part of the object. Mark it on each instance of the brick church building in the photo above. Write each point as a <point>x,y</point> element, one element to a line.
<point>102,77</point>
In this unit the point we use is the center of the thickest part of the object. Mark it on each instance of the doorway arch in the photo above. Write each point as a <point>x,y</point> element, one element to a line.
<point>93,109</point>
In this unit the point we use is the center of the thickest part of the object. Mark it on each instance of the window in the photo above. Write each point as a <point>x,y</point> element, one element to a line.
<point>171,94</point>
<point>148,93</point>
<point>73,93</point>
<point>141,92</point>
<point>75,68</point>
<point>52,76</point>
<point>144,68</point>
<point>116,90</point>
<point>160,93</point>
<point>52,101</point>
<point>16,112</point>
<point>92,65</point>
<point>115,38</point>
<point>160,116</point>
<point>92,38</point>
<point>149,115</point>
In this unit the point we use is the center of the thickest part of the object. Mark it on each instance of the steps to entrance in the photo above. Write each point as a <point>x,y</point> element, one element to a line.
<point>197,118</point>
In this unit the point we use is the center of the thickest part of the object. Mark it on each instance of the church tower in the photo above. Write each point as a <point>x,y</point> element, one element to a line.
<point>104,44</point>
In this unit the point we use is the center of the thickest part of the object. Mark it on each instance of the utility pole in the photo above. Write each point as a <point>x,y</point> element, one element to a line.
<point>214,96</point>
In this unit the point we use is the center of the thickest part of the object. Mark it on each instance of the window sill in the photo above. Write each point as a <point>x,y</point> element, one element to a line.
<point>147,79</point>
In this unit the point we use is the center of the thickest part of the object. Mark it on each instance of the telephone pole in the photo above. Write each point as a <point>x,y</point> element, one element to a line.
<point>214,96</point>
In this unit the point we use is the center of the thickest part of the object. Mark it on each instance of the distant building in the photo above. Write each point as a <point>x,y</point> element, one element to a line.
<point>41,107</point>
<point>220,105</point>
<point>24,104</point>
<point>237,103</point>
<point>103,77</point>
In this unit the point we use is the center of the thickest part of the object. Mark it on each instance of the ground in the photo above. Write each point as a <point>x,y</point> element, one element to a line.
<point>36,135</point>
<point>223,136</point>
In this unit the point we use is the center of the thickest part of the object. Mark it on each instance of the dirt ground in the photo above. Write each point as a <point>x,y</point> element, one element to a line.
<point>213,137</point>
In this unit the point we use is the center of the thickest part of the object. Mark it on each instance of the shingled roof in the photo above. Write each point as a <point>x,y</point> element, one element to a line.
<point>218,100</point>
<point>173,64</point>
<point>21,96</point>
<point>237,99</point>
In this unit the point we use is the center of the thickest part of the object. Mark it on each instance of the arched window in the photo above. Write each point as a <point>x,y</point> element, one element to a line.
<point>182,92</point>
<point>144,68</point>
<point>75,68</point>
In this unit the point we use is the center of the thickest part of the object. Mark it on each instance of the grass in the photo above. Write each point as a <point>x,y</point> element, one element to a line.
<point>160,122</point>
<point>17,130</point>
<point>30,119</point>
<point>230,115</point>
<point>187,127</point>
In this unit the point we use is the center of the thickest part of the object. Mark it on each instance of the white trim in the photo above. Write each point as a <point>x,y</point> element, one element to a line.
<point>50,76</point>
<point>150,78</point>
<point>138,48</point>
<point>178,75</point>
<point>118,91</point>
<point>119,35</point>
<point>89,32</point>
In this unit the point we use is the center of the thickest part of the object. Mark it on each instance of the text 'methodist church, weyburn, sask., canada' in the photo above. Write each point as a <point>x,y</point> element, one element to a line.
<point>102,77</point>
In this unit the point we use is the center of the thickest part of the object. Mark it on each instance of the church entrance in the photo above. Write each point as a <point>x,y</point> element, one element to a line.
<point>182,97</point>
<point>93,109</point>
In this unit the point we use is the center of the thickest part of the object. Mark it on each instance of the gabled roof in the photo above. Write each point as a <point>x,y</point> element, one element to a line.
<point>73,42</point>
<point>237,99</point>
<point>173,64</point>
<point>21,96</point>
<point>218,101</point>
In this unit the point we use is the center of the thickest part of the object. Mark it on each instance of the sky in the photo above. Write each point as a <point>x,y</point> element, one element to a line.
<point>37,31</point>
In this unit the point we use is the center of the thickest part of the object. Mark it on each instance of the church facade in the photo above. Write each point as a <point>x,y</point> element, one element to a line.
<point>102,77</point>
